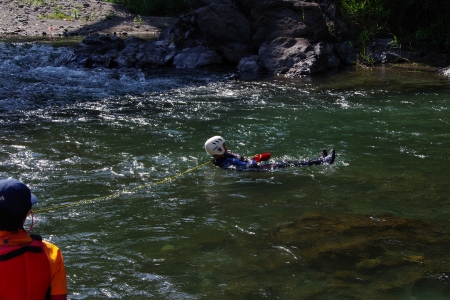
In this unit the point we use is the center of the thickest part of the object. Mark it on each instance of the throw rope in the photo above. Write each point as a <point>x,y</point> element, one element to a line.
<point>103,198</point>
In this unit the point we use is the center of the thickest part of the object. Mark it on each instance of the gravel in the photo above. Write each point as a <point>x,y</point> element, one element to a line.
<point>49,18</point>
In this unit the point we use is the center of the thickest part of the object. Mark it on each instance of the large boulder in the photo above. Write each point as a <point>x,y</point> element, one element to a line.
<point>139,53</point>
<point>225,29</point>
<point>289,37</point>
<point>196,57</point>
<point>261,37</point>
<point>296,57</point>
<point>290,19</point>
<point>98,50</point>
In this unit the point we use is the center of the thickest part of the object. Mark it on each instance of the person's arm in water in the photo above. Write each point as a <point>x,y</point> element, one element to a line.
<point>231,160</point>
<point>234,161</point>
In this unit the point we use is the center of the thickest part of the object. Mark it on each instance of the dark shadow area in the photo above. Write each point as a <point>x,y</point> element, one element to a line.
<point>69,19</point>
<point>122,22</point>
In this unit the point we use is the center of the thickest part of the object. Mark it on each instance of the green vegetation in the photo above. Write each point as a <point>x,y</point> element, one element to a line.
<point>155,7</point>
<point>138,21</point>
<point>420,24</point>
<point>425,23</point>
<point>110,15</point>
<point>59,14</point>
<point>75,13</point>
<point>35,2</point>
<point>368,18</point>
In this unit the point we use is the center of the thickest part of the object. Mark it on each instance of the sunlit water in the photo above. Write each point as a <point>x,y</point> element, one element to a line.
<point>112,155</point>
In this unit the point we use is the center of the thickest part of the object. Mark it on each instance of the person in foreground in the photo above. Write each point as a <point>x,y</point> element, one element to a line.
<point>227,159</point>
<point>30,268</point>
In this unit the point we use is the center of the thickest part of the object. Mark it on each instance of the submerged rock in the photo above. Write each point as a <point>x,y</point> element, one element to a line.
<point>111,52</point>
<point>377,253</point>
<point>250,68</point>
<point>333,256</point>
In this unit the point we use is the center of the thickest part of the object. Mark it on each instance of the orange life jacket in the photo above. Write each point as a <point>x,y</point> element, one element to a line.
<point>24,272</point>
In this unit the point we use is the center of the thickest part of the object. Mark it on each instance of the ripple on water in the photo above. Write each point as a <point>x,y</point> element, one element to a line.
<point>110,146</point>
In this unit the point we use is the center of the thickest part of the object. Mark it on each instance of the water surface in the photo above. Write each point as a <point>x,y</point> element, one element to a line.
<point>113,157</point>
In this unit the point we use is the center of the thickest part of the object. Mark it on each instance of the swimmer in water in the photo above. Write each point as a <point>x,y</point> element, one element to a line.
<point>227,159</point>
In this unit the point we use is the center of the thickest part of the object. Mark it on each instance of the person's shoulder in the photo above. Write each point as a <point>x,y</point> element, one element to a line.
<point>49,245</point>
<point>51,249</point>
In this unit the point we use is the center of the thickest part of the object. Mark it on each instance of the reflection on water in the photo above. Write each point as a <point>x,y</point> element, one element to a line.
<point>98,146</point>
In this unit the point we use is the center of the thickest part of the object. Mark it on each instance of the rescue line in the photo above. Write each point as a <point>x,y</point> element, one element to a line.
<point>112,196</point>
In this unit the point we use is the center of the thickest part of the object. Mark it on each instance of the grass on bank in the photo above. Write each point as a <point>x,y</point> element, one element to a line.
<point>35,2</point>
<point>417,24</point>
<point>58,9</point>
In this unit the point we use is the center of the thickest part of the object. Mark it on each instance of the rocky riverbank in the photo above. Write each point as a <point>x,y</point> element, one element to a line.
<point>259,37</point>
<point>28,18</point>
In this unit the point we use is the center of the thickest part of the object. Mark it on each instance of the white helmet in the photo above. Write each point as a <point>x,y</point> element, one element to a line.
<point>214,146</point>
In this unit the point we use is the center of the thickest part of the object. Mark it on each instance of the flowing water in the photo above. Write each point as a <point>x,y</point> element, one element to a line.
<point>117,161</point>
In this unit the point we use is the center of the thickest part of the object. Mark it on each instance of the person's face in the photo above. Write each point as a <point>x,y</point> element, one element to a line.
<point>225,149</point>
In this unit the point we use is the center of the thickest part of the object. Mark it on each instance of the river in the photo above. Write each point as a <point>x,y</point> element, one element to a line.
<point>126,191</point>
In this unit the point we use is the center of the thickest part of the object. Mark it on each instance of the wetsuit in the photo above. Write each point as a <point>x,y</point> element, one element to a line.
<point>235,161</point>
<point>30,269</point>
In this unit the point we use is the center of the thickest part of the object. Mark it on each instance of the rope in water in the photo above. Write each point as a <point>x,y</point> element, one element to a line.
<point>103,198</point>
